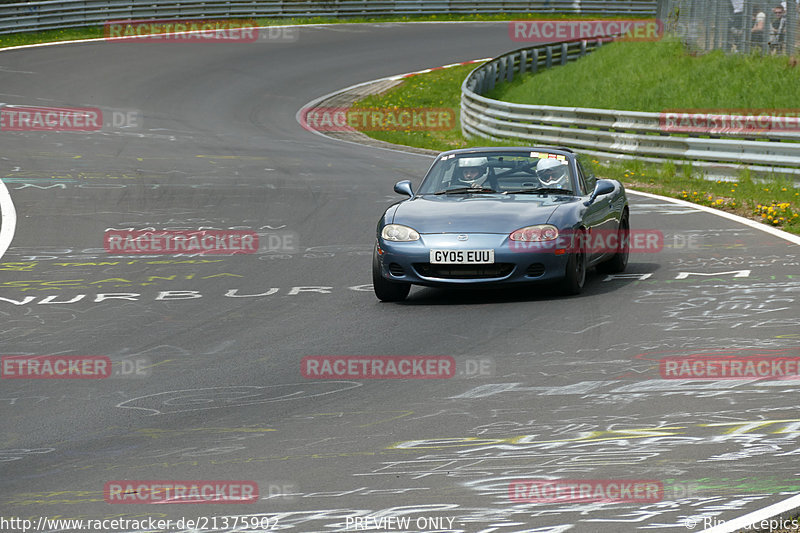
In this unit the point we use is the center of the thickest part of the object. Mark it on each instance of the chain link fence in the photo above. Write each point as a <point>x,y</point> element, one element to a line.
<point>739,26</point>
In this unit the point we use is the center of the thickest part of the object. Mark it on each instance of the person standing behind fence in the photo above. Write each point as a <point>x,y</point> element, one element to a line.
<point>735,24</point>
<point>777,38</point>
<point>758,33</point>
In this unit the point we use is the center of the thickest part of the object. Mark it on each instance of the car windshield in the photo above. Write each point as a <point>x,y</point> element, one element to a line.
<point>496,172</point>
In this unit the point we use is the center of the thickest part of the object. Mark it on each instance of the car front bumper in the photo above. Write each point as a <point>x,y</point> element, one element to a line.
<point>514,262</point>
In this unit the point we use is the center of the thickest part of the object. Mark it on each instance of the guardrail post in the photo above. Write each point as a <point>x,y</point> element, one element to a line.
<point>791,26</point>
<point>661,10</point>
<point>564,53</point>
<point>548,62</point>
<point>492,73</point>
<point>534,60</point>
<point>501,68</point>
<point>744,45</point>
<point>583,48</point>
<point>724,24</point>
<point>523,61</point>
<point>706,14</point>
<point>510,68</point>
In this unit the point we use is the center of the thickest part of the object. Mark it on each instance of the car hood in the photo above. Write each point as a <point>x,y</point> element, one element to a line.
<point>477,213</point>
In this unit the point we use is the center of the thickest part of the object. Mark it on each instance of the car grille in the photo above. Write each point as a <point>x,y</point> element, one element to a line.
<point>535,270</point>
<point>496,270</point>
<point>396,270</point>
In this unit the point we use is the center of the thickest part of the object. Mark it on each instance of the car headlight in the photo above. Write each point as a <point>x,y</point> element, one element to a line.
<point>542,232</point>
<point>398,232</point>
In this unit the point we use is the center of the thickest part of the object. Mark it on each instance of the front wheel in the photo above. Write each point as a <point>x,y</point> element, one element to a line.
<point>619,261</point>
<point>575,276</point>
<point>385,290</point>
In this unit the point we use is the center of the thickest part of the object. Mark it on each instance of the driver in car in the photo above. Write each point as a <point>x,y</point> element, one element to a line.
<point>472,171</point>
<point>552,173</point>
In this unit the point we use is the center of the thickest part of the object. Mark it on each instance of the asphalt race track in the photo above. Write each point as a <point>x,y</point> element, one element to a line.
<point>547,386</point>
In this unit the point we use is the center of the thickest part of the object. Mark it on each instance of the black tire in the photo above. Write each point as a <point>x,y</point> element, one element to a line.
<point>619,261</point>
<point>575,275</point>
<point>385,290</point>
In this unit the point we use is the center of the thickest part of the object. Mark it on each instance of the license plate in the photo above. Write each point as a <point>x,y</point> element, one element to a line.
<point>462,257</point>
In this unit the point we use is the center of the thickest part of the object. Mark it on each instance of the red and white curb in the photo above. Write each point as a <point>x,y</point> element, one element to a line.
<point>410,74</point>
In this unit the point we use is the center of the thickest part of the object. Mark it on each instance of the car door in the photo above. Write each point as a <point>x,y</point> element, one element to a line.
<point>599,216</point>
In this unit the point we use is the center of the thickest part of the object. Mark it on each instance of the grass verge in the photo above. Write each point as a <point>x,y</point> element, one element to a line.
<point>660,75</point>
<point>775,202</point>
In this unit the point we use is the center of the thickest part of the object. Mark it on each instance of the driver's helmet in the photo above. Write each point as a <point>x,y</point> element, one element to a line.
<point>471,169</point>
<point>552,172</point>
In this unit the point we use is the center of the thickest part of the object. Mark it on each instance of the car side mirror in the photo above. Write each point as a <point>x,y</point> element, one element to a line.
<point>404,187</point>
<point>601,187</point>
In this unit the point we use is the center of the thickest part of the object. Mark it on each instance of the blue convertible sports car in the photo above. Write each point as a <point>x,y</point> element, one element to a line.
<point>501,216</point>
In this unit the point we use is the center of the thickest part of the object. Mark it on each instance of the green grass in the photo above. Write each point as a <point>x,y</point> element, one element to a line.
<point>776,201</point>
<point>94,32</point>
<point>442,88</point>
<point>655,76</point>
<point>437,89</point>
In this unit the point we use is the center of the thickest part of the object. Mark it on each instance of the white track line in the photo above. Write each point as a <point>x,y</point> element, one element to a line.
<point>8,216</point>
<point>795,239</point>
<point>755,517</point>
<point>8,219</point>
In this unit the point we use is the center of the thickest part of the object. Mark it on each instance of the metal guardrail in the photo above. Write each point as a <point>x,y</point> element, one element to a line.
<point>610,133</point>
<point>59,14</point>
